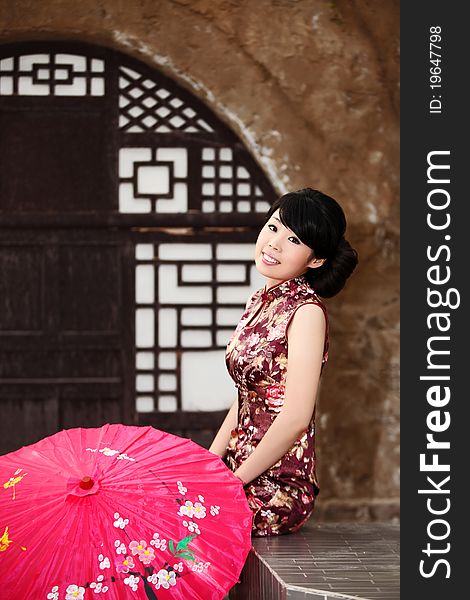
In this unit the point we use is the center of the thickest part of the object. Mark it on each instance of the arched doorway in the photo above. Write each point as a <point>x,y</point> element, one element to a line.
<point>127,213</point>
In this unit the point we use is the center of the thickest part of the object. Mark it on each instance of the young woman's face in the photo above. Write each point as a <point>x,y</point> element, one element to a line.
<point>279,253</point>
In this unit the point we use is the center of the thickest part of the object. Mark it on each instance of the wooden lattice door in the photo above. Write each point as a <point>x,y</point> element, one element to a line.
<point>66,344</point>
<point>126,210</point>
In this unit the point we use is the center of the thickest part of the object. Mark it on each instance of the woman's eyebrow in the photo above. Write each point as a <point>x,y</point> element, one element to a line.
<point>279,220</point>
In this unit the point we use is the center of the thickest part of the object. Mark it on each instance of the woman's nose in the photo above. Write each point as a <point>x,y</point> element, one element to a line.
<point>274,243</point>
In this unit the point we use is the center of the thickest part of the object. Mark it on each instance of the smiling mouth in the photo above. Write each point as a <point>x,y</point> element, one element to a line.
<point>269,259</point>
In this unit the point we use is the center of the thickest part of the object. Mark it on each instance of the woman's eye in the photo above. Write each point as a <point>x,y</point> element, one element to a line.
<point>272,227</point>
<point>294,240</point>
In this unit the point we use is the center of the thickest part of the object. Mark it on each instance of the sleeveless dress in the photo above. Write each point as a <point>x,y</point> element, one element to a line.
<point>282,497</point>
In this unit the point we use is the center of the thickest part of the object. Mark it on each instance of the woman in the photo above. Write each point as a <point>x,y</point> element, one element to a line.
<point>276,356</point>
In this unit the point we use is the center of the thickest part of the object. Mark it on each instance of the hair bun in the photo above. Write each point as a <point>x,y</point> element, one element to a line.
<point>330,278</point>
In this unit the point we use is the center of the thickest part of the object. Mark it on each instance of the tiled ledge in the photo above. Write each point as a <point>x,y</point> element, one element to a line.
<point>324,561</point>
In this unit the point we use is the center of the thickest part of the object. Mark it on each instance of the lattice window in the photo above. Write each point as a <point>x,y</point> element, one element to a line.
<point>144,105</point>
<point>227,186</point>
<point>52,75</point>
<point>189,298</point>
<point>156,179</point>
<point>153,180</point>
<point>132,154</point>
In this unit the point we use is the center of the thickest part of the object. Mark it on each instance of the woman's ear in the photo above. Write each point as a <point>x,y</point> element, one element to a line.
<point>315,263</point>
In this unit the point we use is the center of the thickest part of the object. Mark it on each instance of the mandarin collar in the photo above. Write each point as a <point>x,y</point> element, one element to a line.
<point>275,291</point>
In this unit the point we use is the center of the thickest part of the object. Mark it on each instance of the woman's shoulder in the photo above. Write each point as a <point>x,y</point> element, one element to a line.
<point>302,292</point>
<point>305,304</point>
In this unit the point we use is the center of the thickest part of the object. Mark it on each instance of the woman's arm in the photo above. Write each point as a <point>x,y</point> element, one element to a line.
<point>306,336</point>
<point>219,444</point>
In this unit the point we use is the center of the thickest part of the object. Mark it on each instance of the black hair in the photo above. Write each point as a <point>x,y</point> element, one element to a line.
<point>319,222</point>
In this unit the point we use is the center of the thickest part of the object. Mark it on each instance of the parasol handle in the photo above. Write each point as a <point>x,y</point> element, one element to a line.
<point>86,483</point>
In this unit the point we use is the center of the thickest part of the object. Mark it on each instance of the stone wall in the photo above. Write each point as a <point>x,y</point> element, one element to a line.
<point>312,88</point>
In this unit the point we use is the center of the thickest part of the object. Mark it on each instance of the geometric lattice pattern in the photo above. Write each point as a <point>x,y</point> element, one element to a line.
<point>156,179</point>
<point>52,75</point>
<point>227,186</point>
<point>166,154</point>
<point>144,105</point>
<point>153,180</point>
<point>189,298</point>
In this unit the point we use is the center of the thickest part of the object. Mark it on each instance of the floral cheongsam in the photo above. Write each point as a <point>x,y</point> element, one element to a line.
<point>282,497</point>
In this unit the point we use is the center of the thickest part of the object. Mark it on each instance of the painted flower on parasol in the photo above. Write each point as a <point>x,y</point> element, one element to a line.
<point>120,512</point>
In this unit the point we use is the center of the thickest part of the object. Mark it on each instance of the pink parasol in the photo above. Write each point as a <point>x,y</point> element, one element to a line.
<point>119,512</point>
